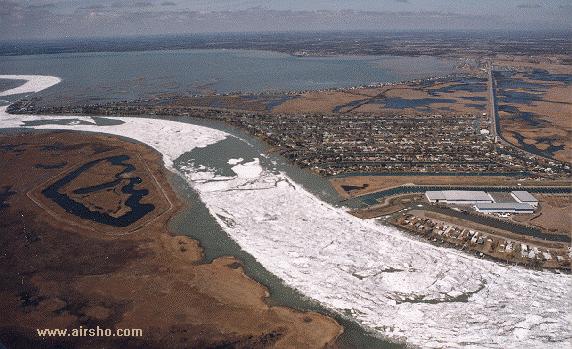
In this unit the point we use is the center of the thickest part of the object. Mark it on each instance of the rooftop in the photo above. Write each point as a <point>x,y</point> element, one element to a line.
<point>499,206</point>
<point>459,195</point>
<point>523,196</point>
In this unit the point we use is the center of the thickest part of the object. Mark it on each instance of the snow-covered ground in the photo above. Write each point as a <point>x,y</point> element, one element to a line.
<point>403,288</point>
<point>34,83</point>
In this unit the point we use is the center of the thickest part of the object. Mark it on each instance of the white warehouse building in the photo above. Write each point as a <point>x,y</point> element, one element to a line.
<point>524,197</point>
<point>504,207</point>
<point>459,197</point>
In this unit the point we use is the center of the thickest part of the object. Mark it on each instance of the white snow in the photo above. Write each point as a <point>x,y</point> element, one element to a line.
<point>373,271</point>
<point>248,170</point>
<point>34,83</point>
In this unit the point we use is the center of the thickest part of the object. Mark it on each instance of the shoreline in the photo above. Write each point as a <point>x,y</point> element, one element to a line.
<point>336,284</point>
<point>166,173</point>
<point>192,259</point>
<point>453,61</point>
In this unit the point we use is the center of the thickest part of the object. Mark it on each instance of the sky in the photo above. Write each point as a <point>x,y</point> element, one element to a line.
<point>43,19</point>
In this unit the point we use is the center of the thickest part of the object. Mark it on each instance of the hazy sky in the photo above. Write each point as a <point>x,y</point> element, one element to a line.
<point>78,18</point>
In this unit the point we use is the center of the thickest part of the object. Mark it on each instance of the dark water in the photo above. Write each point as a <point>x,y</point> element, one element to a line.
<point>544,75</point>
<point>272,103</point>
<point>401,103</point>
<point>506,80</point>
<point>51,166</point>
<point>519,97</point>
<point>529,93</point>
<point>465,84</point>
<point>351,104</point>
<point>6,84</point>
<point>475,98</point>
<point>137,211</point>
<point>531,148</point>
<point>528,117</point>
<point>5,194</point>
<point>102,77</point>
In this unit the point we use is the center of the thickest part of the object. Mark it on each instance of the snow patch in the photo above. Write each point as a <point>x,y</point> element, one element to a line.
<point>248,170</point>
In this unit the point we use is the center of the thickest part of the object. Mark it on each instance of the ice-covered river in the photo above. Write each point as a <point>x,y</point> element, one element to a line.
<point>400,287</point>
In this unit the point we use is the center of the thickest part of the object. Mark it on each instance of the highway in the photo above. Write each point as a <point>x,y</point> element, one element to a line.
<point>492,103</point>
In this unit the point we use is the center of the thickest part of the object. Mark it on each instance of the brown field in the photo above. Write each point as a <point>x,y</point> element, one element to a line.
<point>389,206</point>
<point>61,271</point>
<point>557,126</point>
<point>231,102</point>
<point>406,92</point>
<point>552,64</point>
<point>554,215</point>
<point>559,94</point>
<point>327,101</point>
<point>411,92</point>
<point>316,102</point>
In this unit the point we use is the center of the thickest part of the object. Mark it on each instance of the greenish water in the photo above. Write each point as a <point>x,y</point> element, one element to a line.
<point>112,76</point>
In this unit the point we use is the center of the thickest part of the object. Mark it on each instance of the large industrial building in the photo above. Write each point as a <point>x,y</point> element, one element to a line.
<point>524,197</point>
<point>458,197</point>
<point>483,202</point>
<point>504,207</point>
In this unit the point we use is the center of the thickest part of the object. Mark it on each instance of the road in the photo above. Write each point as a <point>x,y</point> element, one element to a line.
<point>492,103</point>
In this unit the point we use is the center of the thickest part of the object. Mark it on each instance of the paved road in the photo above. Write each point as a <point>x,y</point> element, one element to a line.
<point>492,103</point>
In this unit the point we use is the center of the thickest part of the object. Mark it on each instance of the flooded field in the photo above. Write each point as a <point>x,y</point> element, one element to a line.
<point>535,109</point>
<point>446,95</point>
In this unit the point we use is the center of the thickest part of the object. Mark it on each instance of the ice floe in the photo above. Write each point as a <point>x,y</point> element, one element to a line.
<point>400,287</point>
<point>248,170</point>
<point>34,83</point>
<point>170,138</point>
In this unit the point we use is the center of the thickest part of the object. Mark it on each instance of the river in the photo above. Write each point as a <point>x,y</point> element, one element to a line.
<point>358,268</point>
